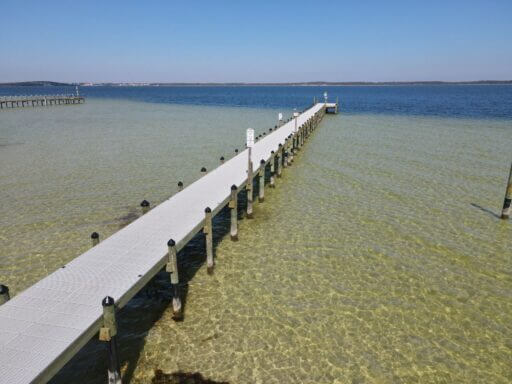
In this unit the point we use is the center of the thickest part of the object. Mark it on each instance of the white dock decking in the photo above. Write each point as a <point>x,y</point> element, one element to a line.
<point>43,327</point>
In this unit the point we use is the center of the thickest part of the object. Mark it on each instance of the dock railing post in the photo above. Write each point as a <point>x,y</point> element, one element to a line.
<point>180,186</point>
<point>208,232</point>
<point>4,294</point>
<point>505,213</point>
<point>233,205</point>
<point>108,333</point>
<point>261,174</point>
<point>95,238</point>
<point>172,268</point>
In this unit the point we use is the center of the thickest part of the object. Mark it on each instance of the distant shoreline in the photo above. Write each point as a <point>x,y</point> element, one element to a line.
<point>299,84</point>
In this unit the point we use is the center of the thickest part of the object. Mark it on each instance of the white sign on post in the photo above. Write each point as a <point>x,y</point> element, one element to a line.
<point>295,114</point>
<point>280,116</point>
<point>250,138</point>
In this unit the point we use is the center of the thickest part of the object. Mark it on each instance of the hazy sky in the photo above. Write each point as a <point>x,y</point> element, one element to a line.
<point>251,41</point>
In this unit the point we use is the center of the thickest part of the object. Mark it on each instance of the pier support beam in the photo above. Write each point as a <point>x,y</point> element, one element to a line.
<point>172,268</point>
<point>505,213</point>
<point>4,294</point>
<point>261,174</point>
<point>233,205</point>
<point>108,333</point>
<point>208,232</point>
<point>95,238</point>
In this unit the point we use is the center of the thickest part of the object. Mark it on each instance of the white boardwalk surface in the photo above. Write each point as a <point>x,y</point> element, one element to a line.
<point>45,325</point>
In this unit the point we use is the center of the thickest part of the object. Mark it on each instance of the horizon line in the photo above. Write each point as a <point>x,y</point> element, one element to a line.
<point>313,83</point>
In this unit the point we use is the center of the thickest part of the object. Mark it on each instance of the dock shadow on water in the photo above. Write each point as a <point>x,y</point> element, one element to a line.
<point>146,308</point>
<point>182,378</point>
<point>486,210</point>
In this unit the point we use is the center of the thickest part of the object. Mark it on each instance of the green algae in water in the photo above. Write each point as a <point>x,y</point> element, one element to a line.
<point>377,258</point>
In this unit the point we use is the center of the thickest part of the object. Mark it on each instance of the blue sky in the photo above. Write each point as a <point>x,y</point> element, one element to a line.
<point>252,41</point>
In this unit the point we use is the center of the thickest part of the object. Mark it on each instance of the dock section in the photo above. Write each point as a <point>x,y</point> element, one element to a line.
<point>43,327</point>
<point>10,102</point>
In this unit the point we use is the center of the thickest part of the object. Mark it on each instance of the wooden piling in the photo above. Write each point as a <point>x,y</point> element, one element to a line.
<point>145,206</point>
<point>505,213</point>
<point>233,205</point>
<point>95,238</point>
<point>180,186</point>
<point>249,186</point>
<point>272,169</point>
<point>261,174</point>
<point>208,232</point>
<point>290,149</point>
<point>172,268</point>
<point>222,160</point>
<point>279,160</point>
<point>4,294</point>
<point>108,333</point>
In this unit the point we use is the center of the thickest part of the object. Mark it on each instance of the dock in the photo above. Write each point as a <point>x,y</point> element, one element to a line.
<point>10,102</point>
<point>43,327</point>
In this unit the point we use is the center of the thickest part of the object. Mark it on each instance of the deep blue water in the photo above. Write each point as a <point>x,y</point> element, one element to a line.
<point>477,101</point>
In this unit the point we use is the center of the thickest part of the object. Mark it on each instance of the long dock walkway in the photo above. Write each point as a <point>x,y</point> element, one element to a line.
<point>9,102</point>
<point>43,327</point>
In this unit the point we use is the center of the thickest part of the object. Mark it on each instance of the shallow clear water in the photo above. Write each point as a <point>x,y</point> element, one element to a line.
<point>378,258</point>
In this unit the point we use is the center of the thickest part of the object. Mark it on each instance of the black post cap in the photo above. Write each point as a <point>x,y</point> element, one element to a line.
<point>262,161</point>
<point>272,152</point>
<point>233,187</point>
<point>270,129</point>
<point>236,150</point>
<point>203,169</point>
<point>107,301</point>
<point>275,126</point>
<point>4,289</point>
<point>144,203</point>
<point>222,158</point>
<point>180,184</point>
<point>280,145</point>
<point>207,210</point>
<point>95,235</point>
<point>171,243</point>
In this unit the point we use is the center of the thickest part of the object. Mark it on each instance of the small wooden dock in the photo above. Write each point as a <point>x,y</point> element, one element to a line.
<point>43,327</point>
<point>10,102</point>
